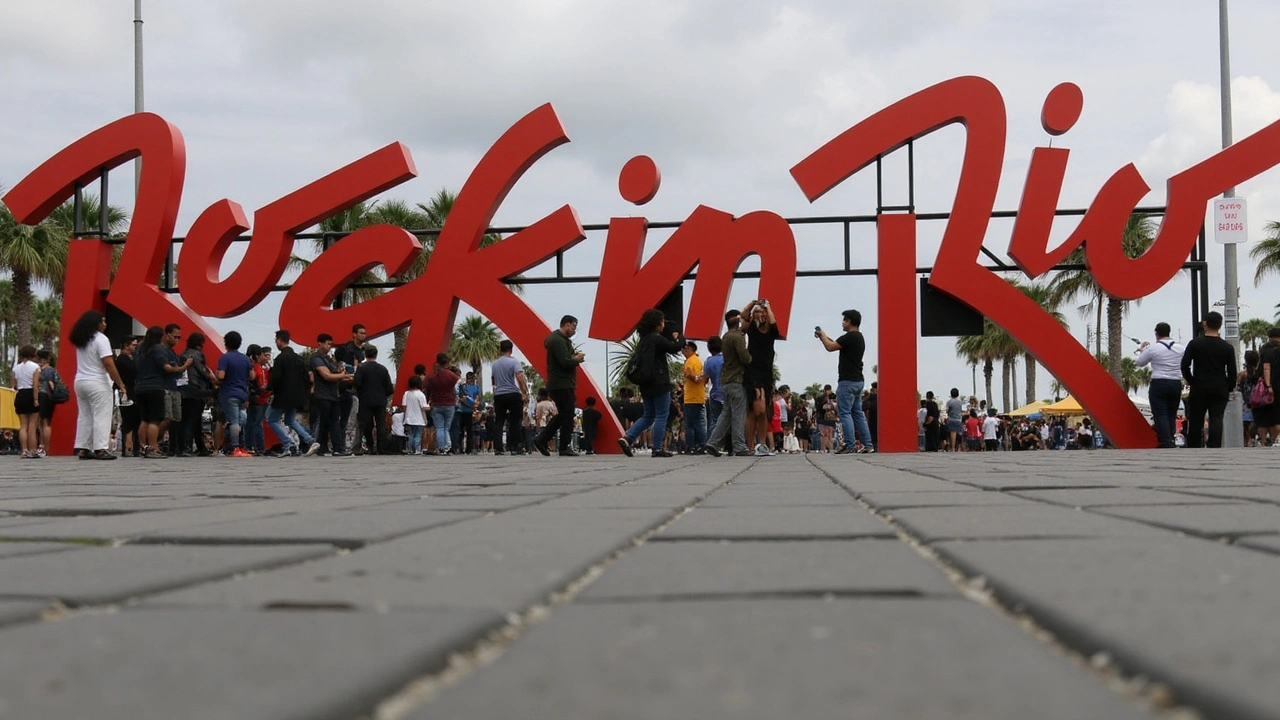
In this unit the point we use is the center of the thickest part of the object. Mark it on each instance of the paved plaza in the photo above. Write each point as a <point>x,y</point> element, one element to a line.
<point>1046,585</point>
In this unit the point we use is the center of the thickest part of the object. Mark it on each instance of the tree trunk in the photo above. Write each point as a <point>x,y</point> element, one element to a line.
<point>1013,381</point>
<point>1098,334</point>
<point>1004,373</point>
<point>988,369</point>
<point>1115,333</point>
<point>22,299</point>
<point>1031,379</point>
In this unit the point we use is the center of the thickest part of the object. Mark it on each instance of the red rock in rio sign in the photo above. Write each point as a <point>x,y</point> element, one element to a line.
<point>461,271</point>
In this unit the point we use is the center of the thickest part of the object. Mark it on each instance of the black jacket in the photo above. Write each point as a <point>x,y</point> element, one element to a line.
<point>373,384</point>
<point>288,381</point>
<point>661,348</point>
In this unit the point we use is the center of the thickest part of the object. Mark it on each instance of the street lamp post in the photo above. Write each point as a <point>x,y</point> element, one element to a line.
<point>1233,424</point>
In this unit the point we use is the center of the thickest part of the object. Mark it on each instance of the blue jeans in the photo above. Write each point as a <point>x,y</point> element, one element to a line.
<point>415,438</point>
<point>290,416</point>
<point>1165,396</point>
<point>695,425</point>
<point>713,414</point>
<point>235,414</point>
<point>656,410</point>
<point>852,421</point>
<point>443,417</point>
<point>254,438</point>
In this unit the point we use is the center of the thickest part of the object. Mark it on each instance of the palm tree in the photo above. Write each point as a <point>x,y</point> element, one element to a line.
<point>532,377</point>
<point>63,217</point>
<point>985,349</point>
<point>1041,295</point>
<point>34,255</point>
<point>1139,232</point>
<point>618,363</point>
<point>475,340</point>
<point>47,321</point>
<point>1133,378</point>
<point>1058,389</point>
<point>1267,253</point>
<point>813,390</point>
<point>1253,331</point>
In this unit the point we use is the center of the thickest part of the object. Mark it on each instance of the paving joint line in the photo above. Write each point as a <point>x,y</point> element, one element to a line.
<point>1153,695</point>
<point>489,647</point>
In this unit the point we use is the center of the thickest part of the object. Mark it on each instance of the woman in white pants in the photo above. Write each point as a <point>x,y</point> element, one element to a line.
<point>95,372</point>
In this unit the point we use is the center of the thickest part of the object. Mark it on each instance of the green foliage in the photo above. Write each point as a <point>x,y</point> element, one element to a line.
<point>475,340</point>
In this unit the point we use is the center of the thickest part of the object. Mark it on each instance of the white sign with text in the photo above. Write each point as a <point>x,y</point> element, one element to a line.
<point>1230,221</point>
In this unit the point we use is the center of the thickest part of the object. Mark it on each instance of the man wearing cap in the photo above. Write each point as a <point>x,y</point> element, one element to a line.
<point>695,400</point>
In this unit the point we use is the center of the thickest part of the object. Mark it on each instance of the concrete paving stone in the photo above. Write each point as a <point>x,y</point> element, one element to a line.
<point>343,528</point>
<point>47,500</point>
<point>882,480</point>
<point>1033,521</point>
<point>101,575</point>
<point>14,611</point>
<point>1216,520</point>
<point>636,495</point>
<point>1269,543</point>
<point>517,490</point>
<point>735,495</point>
<point>483,503</point>
<point>17,521</point>
<point>1264,493</point>
<point>1197,615</point>
<point>778,523</point>
<point>242,665</point>
<point>729,569</point>
<point>892,500</point>
<point>14,549</point>
<point>920,659</point>
<point>1102,497</point>
<point>1005,482</point>
<point>73,507</point>
<point>504,562</point>
<point>136,525</point>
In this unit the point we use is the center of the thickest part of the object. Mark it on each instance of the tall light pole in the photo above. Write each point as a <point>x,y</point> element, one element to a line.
<point>138,103</point>
<point>1233,428</point>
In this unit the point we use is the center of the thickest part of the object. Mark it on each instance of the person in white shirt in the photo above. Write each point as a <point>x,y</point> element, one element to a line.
<point>1165,391</point>
<point>24,403</point>
<point>990,426</point>
<point>95,373</point>
<point>415,414</point>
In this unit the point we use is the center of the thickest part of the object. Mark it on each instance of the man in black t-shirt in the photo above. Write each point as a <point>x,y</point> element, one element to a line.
<point>1209,367</point>
<point>851,347</point>
<point>349,355</point>
<point>761,334</point>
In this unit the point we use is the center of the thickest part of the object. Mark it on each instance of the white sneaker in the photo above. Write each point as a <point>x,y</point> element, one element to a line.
<point>762,450</point>
<point>313,449</point>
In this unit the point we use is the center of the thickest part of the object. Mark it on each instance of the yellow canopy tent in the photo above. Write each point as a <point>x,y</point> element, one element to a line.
<point>1066,406</point>
<point>8,415</point>
<point>1031,409</point>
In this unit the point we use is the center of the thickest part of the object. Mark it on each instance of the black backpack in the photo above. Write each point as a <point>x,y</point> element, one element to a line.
<point>639,369</point>
<point>60,392</point>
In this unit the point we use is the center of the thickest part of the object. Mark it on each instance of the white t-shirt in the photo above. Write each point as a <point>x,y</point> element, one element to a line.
<point>989,426</point>
<point>921,414</point>
<point>415,408</point>
<point>24,374</point>
<point>397,424</point>
<point>89,359</point>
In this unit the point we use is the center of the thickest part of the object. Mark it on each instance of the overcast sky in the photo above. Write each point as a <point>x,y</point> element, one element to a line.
<point>725,95</point>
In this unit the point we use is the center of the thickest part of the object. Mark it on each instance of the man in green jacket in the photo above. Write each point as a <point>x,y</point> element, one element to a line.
<point>733,416</point>
<point>562,380</point>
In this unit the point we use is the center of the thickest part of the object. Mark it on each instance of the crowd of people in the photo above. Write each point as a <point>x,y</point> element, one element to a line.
<point>170,401</point>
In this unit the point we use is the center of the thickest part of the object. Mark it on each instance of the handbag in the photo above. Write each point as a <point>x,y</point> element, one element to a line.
<point>1262,395</point>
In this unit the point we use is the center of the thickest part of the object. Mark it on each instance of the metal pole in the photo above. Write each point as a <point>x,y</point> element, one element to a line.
<point>1233,428</point>
<point>138,105</point>
<point>138,101</point>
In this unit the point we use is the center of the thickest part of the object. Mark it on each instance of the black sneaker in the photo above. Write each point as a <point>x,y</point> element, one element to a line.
<point>661,453</point>
<point>744,453</point>
<point>626,447</point>
<point>541,446</point>
<point>711,450</point>
<point>568,453</point>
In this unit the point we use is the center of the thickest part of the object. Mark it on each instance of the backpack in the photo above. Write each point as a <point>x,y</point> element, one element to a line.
<point>639,369</point>
<point>60,392</point>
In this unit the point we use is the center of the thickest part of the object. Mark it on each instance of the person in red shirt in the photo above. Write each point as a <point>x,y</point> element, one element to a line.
<point>973,431</point>
<point>441,386</point>
<point>259,378</point>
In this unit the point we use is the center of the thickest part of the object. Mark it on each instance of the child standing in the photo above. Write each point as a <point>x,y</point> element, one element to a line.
<point>415,414</point>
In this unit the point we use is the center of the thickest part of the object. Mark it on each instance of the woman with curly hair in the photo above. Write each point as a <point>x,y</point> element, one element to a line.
<point>95,373</point>
<point>654,350</point>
